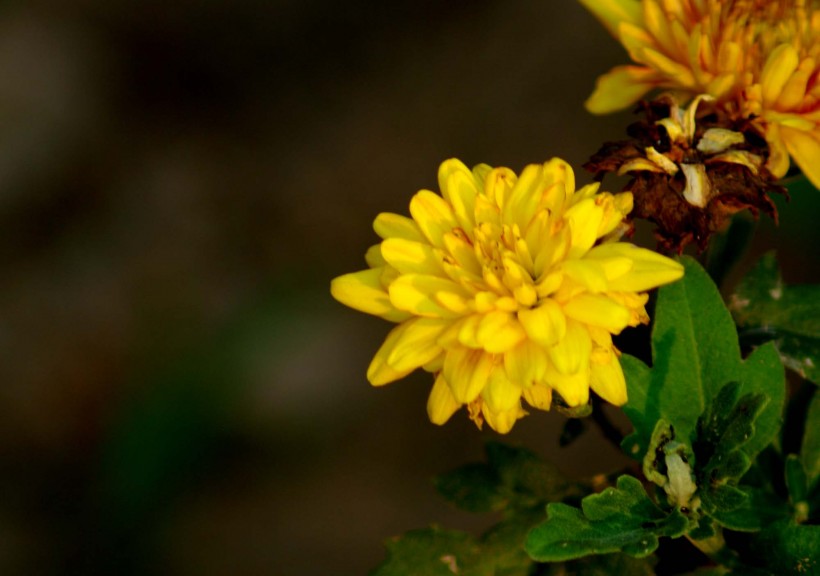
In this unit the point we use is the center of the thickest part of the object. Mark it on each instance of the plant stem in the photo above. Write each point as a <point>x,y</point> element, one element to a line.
<point>715,548</point>
<point>609,431</point>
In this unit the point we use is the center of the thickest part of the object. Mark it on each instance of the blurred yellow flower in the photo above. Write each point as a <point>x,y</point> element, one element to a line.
<point>759,59</point>
<point>506,287</point>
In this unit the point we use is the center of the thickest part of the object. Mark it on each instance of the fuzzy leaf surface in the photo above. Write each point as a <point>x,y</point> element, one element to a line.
<point>810,450</point>
<point>723,431</point>
<point>619,519</point>
<point>768,310</point>
<point>432,551</point>
<point>511,478</point>
<point>786,548</point>
<point>513,481</point>
<point>695,352</point>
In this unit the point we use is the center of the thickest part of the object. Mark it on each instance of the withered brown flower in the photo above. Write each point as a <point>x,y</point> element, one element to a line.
<point>691,169</point>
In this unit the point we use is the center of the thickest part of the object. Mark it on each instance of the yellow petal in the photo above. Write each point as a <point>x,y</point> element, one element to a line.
<point>804,147</point>
<point>794,91</point>
<point>607,381</point>
<point>458,187</point>
<point>571,353</point>
<point>620,88</point>
<point>441,404</point>
<point>389,225</point>
<point>720,86</point>
<point>447,169</point>
<point>363,291</point>
<point>611,13</point>
<point>410,257</point>
<point>466,372</point>
<point>587,272</point>
<point>649,269</point>
<point>468,331</point>
<point>380,372</point>
<point>455,303</point>
<point>417,344</point>
<point>498,184</point>
<point>502,422</point>
<point>549,283</point>
<point>480,173</point>
<point>545,324</point>
<point>780,65</point>
<point>462,253</point>
<point>526,363</point>
<point>486,210</point>
<point>553,249</point>
<point>615,208</point>
<point>682,74</point>
<point>729,58</point>
<point>636,40</point>
<point>538,396</point>
<point>778,162</point>
<point>523,199</point>
<point>434,366</point>
<point>600,337</point>
<point>573,388</point>
<point>416,293</point>
<point>584,219</point>
<point>433,215</point>
<point>656,22</point>
<point>598,310</point>
<point>499,331</point>
<point>559,184</point>
<point>499,393</point>
<point>374,257</point>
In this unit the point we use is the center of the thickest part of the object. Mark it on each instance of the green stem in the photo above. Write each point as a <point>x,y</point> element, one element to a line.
<point>609,431</point>
<point>715,548</point>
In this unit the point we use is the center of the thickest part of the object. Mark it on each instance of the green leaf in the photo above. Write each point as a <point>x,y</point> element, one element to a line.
<point>712,571</point>
<point>704,529</point>
<point>621,519</point>
<point>430,551</point>
<point>721,459</point>
<point>502,547</point>
<point>723,431</point>
<point>762,373</point>
<point>513,480</point>
<point>787,548</point>
<point>512,477</point>
<point>766,309</point>
<point>810,449</point>
<point>473,487</point>
<point>752,509</point>
<point>797,488</point>
<point>695,352</point>
<point>499,552</point>
<point>609,564</point>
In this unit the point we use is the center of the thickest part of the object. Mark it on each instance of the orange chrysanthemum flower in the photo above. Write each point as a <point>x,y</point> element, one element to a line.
<point>758,59</point>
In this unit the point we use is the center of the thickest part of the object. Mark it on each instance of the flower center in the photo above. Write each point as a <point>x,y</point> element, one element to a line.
<point>506,264</point>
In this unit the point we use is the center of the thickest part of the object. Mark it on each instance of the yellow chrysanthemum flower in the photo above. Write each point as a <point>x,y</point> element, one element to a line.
<point>506,287</point>
<point>758,59</point>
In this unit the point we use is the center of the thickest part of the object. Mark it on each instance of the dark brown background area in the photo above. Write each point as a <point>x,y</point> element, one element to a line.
<point>179,181</point>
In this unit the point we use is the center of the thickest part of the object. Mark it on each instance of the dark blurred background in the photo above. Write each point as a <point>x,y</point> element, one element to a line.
<point>179,181</point>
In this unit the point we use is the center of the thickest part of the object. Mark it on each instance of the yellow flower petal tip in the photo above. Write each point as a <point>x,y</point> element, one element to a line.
<point>507,287</point>
<point>758,60</point>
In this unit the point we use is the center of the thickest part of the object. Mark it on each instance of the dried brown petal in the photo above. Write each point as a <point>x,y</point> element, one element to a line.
<point>689,180</point>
